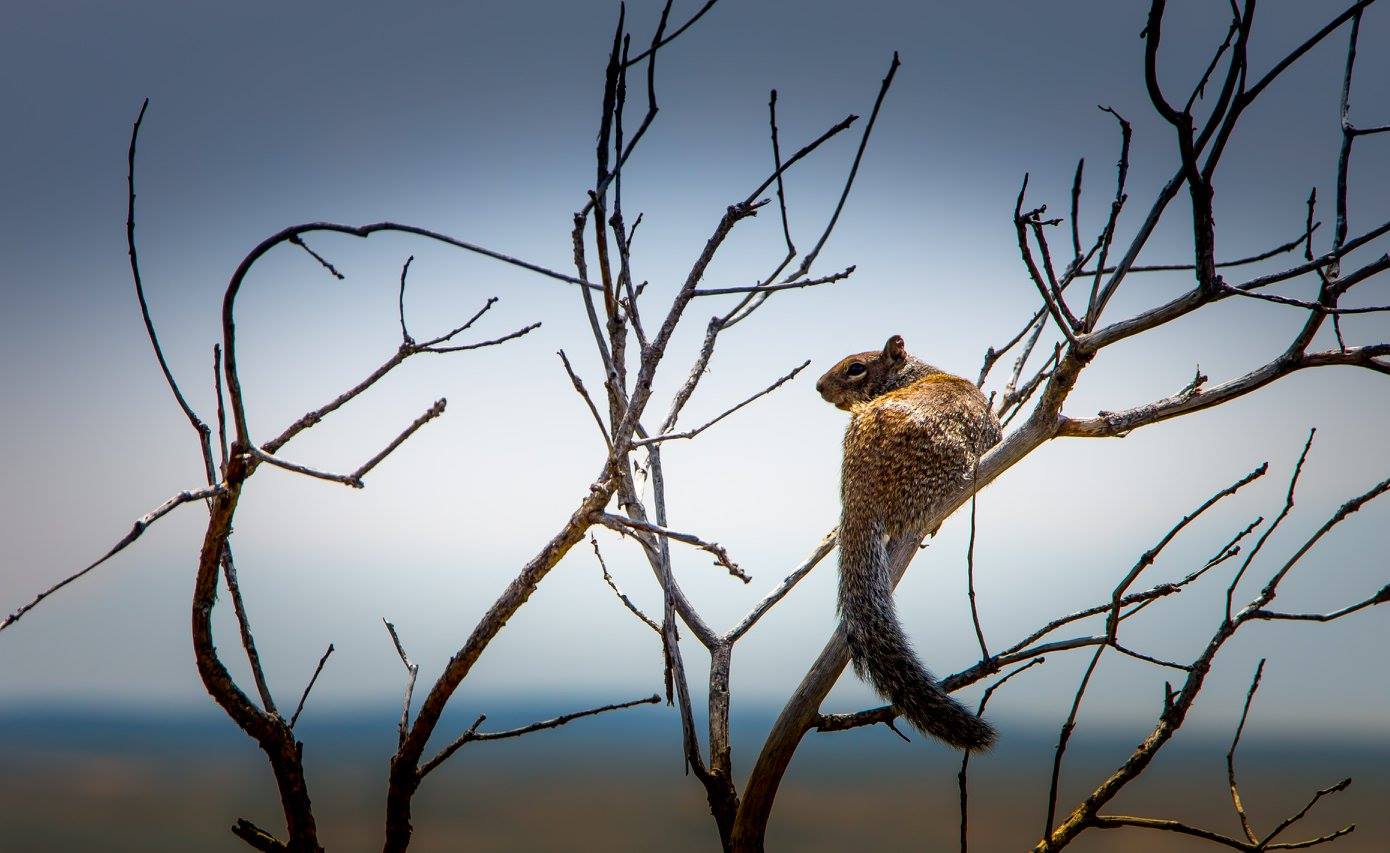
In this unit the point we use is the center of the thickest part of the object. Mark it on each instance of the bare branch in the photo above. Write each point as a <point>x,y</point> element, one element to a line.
<point>204,433</point>
<point>524,330</point>
<point>429,346</point>
<point>584,394</point>
<point>970,567</point>
<point>627,602</point>
<point>1009,388</point>
<point>806,149</point>
<point>138,528</point>
<point>691,433</point>
<point>1231,756</point>
<point>1075,217</point>
<point>472,734</point>
<point>1022,221</point>
<point>257,837</point>
<point>221,411</point>
<point>1279,519</point>
<point>1112,627</point>
<point>323,262</point>
<point>697,372</point>
<point>310,686</point>
<point>844,722</point>
<point>412,670</point>
<point>1379,265</point>
<point>345,479</point>
<point>1350,507</point>
<point>1300,240</point>
<point>1099,297</point>
<point>992,354</point>
<point>1018,398</point>
<point>810,257</point>
<point>430,414</point>
<point>1177,704</point>
<point>1124,650</point>
<point>355,478</point>
<point>1121,821</point>
<point>406,339</point>
<point>721,557</point>
<point>777,165</point>
<point>1381,597</point>
<point>962,777</point>
<point>309,419</point>
<point>769,288</point>
<point>248,642</point>
<point>659,42</point>
<point>1041,237</point>
<point>770,600</point>
<point>1110,424</point>
<point>1291,820</point>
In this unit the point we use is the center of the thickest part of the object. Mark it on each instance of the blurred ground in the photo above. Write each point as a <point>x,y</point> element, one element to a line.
<point>115,782</point>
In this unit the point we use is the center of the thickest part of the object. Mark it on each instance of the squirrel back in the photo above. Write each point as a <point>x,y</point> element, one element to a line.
<point>914,438</point>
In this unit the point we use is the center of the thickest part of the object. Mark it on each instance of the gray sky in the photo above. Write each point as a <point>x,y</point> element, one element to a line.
<point>478,119</point>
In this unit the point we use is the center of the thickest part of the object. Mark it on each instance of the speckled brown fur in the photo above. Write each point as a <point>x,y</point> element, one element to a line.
<point>914,436</point>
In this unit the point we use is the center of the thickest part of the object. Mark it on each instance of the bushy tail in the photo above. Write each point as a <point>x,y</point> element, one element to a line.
<point>881,652</point>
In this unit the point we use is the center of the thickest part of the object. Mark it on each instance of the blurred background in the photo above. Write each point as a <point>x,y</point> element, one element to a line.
<point>478,120</point>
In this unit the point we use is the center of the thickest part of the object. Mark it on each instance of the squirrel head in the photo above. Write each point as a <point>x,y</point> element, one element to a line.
<point>863,376</point>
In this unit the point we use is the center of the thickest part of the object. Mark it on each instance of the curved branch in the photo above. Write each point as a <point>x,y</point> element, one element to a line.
<point>204,432</point>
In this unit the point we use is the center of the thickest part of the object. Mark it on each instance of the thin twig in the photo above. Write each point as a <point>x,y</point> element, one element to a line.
<point>588,401</point>
<point>1379,265</point>
<point>355,478</point>
<point>844,722</point>
<point>1380,597</point>
<point>659,42</point>
<point>1280,249</point>
<point>622,596</point>
<point>204,433</point>
<point>257,837</point>
<point>221,408</point>
<point>1231,756</point>
<point>970,567</point>
<point>1279,519</point>
<point>691,433</point>
<point>810,257</point>
<point>323,262</point>
<point>427,346</point>
<point>524,330</point>
<point>769,288</point>
<point>962,777</point>
<point>1295,818</point>
<point>310,686</point>
<point>430,414</point>
<point>400,302</point>
<point>138,528</point>
<point>248,641</point>
<point>721,556</point>
<point>472,734</point>
<point>1112,627</point>
<point>345,479</point>
<point>413,669</point>
<point>827,543</point>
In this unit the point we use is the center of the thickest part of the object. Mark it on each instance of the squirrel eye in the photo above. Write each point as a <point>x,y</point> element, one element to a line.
<point>856,369</point>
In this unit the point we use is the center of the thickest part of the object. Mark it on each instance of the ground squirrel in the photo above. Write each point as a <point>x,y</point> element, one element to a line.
<point>914,438</point>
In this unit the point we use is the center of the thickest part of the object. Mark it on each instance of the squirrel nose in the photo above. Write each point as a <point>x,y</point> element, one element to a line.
<point>820,386</point>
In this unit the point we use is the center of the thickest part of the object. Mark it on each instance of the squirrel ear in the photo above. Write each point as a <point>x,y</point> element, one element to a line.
<point>895,350</point>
